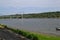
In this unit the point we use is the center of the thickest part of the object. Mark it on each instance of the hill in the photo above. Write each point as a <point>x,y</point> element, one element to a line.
<point>34,15</point>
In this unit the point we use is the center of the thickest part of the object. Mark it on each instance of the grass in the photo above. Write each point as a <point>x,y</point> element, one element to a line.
<point>33,35</point>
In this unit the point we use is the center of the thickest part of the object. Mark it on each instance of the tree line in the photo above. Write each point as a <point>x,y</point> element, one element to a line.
<point>34,15</point>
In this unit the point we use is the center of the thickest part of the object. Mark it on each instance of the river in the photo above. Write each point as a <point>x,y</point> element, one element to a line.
<point>37,25</point>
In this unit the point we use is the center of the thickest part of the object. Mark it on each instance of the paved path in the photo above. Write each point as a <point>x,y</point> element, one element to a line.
<point>6,35</point>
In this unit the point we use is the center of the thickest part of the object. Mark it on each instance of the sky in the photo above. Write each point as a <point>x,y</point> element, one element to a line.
<point>28,6</point>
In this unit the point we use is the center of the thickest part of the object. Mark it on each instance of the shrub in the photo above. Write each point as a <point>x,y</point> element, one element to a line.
<point>3,26</point>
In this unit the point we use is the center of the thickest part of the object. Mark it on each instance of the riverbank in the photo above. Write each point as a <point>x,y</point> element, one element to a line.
<point>33,35</point>
<point>36,36</point>
<point>6,34</point>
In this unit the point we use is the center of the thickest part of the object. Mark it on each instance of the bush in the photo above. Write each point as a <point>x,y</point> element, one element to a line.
<point>35,37</point>
<point>3,26</point>
<point>32,37</point>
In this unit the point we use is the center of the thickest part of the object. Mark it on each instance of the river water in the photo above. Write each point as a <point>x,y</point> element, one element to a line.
<point>37,25</point>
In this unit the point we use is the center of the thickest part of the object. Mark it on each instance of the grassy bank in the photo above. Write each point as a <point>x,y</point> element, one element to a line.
<point>32,35</point>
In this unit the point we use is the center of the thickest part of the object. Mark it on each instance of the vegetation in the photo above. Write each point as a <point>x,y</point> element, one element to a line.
<point>3,26</point>
<point>34,15</point>
<point>33,35</point>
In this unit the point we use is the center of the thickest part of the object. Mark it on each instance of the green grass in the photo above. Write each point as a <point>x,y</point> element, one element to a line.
<point>34,36</point>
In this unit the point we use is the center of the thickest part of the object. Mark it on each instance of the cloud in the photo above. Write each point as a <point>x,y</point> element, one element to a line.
<point>30,3</point>
<point>11,6</point>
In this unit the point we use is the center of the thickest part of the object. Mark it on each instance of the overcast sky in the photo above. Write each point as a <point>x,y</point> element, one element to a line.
<point>18,6</point>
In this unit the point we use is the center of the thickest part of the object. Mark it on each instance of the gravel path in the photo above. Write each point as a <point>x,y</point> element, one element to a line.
<point>6,35</point>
